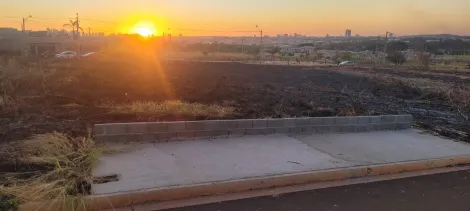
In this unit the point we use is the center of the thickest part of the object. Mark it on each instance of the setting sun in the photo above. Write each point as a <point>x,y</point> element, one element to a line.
<point>144,28</point>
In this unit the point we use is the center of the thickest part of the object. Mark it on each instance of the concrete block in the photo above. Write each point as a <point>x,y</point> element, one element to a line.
<point>409,118</point>
<point>316,121</point>
<point>323,128</point>
<point>353,120</point>
<point>127,138</point>
<point>329,120</point>
<point>299,122</point>
<point>361,128</point>
<point>157,127</point>
<point>375,119</point>
<point>99,129</point>
<point>202,134</point>
<point>276,123</point>
<point>334,129</point>
<point>387,118</point>
<point>347,120</point>
<point>269,131</point>
<point>138,127</point>
<point>236,132</point>
<point>289,122</point>
<point>259,131</point>
<point>308,129</point>
<point>165,136</point>
<point>348,128</point>
<point>404,125</point>
<point>245,123</point>
<point>400,118</point>
<point>148,137</point>
<point>227,124</point>
<point>342,120</point>
<point>105,139</point>
<point>295,130</point>
<point>282,130</point>
<point>220,133</point>
<point>377,127</point>
<point>260,123</point>
<point>386,126</point>
<point>212,125</point>
<point>211,133</point>
<point>369,127</point>
<point>186,135</point>
<point>364,120</point>
<point>176,126</point>
<point>389,126</point>
<point>115,128</point>
<point>195,125</point>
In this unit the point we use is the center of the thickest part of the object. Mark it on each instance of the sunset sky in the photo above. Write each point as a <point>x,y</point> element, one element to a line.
<point>310,17</point>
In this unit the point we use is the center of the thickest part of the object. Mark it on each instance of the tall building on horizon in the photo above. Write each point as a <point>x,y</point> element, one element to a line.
<point>348,33</point>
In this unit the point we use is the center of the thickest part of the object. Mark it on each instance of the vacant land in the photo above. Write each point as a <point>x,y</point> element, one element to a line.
<point>45,107</point>
<point>71,96</point>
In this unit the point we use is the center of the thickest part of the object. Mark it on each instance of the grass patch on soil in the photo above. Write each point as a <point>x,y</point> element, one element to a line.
<point>64,178</point>
<point>173,107</point>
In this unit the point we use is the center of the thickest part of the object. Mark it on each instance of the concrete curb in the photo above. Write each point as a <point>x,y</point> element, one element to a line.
<point>187,130</point>
<point>180,192</point>
<point>117,200</point>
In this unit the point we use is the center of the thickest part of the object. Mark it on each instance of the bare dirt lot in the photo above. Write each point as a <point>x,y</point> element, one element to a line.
<point>71,96</point>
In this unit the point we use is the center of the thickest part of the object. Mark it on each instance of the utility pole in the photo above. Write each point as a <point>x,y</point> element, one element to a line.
<point>260,46</point>
<point>78,26</point>
<point>243,46</point>
<point>89,31</point>
<point>385,46</point>
<point>23,24</point>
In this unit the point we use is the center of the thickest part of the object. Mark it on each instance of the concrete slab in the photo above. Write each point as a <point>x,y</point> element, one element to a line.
<point>206,161</point>
<point>385,146</point>
<point>202,161</point>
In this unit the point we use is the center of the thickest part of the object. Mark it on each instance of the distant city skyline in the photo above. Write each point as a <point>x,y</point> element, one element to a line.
<point>221,17</point>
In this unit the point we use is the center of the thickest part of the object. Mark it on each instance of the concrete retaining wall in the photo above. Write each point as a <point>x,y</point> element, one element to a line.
<point>186,130</point>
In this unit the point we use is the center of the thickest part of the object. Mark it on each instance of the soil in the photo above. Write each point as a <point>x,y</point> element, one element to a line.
<point>449,191</point>
<point>68,97</point>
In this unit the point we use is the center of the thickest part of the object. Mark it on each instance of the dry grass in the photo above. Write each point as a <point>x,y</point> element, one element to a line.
<point>174,107</point>
<point>459,98</point>
<point>66,176</point>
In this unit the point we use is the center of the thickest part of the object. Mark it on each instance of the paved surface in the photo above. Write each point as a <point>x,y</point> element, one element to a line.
<point>203,161</point>
<point>384,147</point>
<point>449,191</point>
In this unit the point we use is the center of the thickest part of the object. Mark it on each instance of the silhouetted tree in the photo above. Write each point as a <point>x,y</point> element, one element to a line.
<point>74,25</point>
<point>396,58</point>
<point>395,46</point>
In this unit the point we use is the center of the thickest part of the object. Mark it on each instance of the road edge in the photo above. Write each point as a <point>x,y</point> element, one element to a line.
<point>125,199</point>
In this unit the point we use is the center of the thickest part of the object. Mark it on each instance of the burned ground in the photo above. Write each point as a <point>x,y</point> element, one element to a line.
<point>69,97</point>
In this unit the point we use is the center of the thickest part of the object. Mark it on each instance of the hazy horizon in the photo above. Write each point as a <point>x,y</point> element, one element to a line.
<point>307,17</point>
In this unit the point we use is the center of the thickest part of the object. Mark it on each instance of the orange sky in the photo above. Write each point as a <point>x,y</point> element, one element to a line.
<point>311,17</point>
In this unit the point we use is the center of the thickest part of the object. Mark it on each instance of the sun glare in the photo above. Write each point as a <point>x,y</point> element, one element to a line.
<point>144,28</point>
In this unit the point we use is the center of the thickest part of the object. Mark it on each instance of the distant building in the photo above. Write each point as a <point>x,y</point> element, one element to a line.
<point>9,32</point>
<point>348,33</point>
<point>38,34</point>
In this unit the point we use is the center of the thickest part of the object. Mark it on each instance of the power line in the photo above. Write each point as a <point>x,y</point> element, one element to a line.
<point>53,18</point>
<point>102,21</point>
<point>203,30</point>
<point>11,17</point>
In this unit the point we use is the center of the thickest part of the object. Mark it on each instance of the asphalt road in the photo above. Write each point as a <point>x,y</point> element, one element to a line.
<point>441,192</point>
